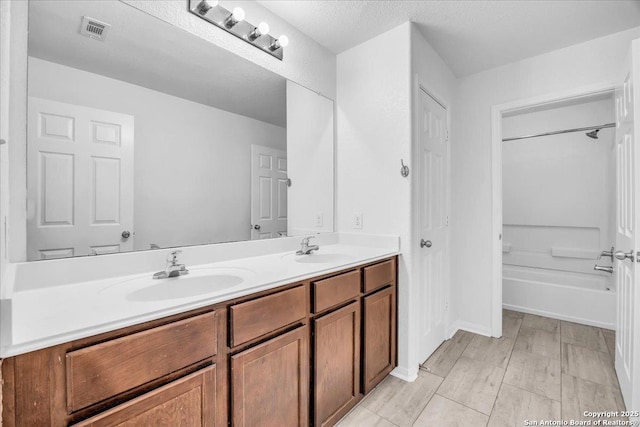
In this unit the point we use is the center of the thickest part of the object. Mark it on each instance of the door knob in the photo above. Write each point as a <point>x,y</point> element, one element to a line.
<point>257,227</point>
<point>126,234</point>
<point>622,256</point>
<point>425,243</point>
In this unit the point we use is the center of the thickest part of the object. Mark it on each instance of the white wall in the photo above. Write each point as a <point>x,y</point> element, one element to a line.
<point>557,189</point>
<point>192,162</point>
<point>374,133</point>
<point>376,84</point>
<point>305,61</point>
<point>310,154</point>
<point>580,66</point>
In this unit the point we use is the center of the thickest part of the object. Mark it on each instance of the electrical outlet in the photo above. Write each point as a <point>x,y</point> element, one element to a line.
<point>319,219</point>
<point>357,220</point>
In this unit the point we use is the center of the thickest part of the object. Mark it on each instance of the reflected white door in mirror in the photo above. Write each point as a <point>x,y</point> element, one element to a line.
<point>80,180</point>
<point>268,192</point>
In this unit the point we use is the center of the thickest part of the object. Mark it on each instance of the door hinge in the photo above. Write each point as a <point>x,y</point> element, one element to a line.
<point>446,221</point>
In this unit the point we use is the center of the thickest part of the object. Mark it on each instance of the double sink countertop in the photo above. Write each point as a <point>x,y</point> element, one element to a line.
<point>36,317</point>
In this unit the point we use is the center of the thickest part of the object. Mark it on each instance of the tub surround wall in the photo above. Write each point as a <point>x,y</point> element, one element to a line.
<point>557,190</point>
<point>187,142</point>
<point>581,66</point>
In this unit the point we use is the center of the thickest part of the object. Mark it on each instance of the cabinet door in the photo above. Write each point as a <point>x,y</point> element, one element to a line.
<point>188,402</point>
<point>270,382</point>
<point>337,364</point>
<point>379,339</point>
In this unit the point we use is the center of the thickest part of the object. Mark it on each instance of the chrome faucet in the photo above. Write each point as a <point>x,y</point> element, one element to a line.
<point>305,249</point>
<point>173,268</point>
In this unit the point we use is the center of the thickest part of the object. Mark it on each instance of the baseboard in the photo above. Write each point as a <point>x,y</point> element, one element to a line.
<point>552,315</point>
<point>469,327</point>
<point>404,374</point>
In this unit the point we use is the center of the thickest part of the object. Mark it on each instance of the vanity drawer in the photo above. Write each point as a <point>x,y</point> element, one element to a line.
<point>107,369</point>
<point>379,275</point>
<point>334,290</point>
<point>260,316</point>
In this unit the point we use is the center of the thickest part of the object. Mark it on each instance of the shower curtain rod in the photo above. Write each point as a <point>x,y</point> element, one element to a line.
<point>608,125</point>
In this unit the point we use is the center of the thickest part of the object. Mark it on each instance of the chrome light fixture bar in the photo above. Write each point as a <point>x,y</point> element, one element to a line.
<point>233,22</point>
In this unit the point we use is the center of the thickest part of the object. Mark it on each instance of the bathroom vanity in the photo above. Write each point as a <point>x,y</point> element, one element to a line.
<point>302,353</point>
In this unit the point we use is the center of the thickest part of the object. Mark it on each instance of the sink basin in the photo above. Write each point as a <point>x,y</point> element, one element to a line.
<point>199,281</point>
<point>319,258</point>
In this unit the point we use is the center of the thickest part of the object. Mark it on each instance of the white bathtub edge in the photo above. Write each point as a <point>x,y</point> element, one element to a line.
<point>566,318</point>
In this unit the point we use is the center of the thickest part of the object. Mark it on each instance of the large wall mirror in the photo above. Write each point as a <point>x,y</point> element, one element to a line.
<point>151,137</point>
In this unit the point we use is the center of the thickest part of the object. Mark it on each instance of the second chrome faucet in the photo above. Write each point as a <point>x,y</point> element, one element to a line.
<point>173,269</point>
<point>305,248</point>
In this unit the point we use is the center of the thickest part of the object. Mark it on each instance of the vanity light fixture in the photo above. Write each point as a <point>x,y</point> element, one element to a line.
<point>233,22</point>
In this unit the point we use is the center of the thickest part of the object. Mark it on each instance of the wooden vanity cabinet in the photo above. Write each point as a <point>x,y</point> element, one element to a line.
<point>270,382</point>
<point>379,331</point>
<point>336,343</point>
<point>379,337</point>
<point>187,401</point>
<point>163,372</point>
<point>300,354</point>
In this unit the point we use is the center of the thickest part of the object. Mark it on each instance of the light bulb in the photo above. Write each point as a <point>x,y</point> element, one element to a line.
<point>258,31</point>
<point>283,41</point>
<point>263,28</point>
<point>238,14</point>
<point>204,6</point>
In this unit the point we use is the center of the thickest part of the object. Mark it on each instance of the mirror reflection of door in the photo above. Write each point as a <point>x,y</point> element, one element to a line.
<point>268,192</point>
<point>80,180</point>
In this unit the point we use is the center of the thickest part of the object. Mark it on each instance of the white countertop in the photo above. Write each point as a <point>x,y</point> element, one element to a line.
<point>44,316</point>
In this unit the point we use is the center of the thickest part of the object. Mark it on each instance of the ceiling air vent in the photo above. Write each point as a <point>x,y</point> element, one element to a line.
<point>93,28</point>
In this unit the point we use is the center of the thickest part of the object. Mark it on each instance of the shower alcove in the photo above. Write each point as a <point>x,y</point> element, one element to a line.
<point>559,210</point>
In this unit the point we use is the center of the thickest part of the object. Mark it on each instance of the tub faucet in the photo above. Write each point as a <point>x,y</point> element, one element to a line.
<point>606,269</point>
<point>173,268</point>
<point>305,249</point>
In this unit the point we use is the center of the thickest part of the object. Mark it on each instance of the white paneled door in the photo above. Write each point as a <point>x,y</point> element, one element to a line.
<point>432,222</point>
<point>79,179</point>
<point>627,274</point>
<point>268,192</point>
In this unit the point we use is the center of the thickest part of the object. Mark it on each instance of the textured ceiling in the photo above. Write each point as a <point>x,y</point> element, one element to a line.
<point>470,36</point>
<point>148,52</point>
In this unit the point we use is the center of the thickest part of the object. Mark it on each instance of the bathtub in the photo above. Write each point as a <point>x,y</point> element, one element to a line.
<point>575,297</point>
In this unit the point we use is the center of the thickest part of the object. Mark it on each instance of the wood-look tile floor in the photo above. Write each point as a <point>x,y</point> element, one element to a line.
<point>541,369</point>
